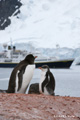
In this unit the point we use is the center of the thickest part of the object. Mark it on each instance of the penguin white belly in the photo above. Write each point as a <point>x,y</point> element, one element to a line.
<point>45,91</point>
<point>43,76</point>
<point>41,80</point>
<point>27,76</point>
<point>40,88</point>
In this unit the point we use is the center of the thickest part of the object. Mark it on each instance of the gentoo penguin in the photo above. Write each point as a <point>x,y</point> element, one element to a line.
<point>47,81</point>
<point>22,75</point>
<point>34,89</point>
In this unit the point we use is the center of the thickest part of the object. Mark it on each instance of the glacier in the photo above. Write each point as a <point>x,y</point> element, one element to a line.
<point>44,24</point>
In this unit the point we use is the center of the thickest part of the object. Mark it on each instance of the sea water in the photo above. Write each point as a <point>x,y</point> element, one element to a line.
<point>67,80</point>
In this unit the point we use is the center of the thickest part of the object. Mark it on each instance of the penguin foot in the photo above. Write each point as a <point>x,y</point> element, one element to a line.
<point>3,91</point>
<point>53,94</point>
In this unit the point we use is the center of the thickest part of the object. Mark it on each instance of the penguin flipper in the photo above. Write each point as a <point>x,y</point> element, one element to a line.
<point>52,81</point>
<point>20,77</point>
<point>11,85</point>
<point>51,84</point>
<point>45,82</point>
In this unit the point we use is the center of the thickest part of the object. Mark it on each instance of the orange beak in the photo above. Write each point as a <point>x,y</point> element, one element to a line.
<point>35,56</point>
<point>39,67</point>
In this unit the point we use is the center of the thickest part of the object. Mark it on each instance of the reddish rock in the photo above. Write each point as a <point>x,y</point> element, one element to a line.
<point>38,107</point>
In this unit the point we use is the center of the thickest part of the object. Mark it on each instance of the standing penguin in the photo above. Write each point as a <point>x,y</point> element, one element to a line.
<point>47,81</point>
<point>22,75</point>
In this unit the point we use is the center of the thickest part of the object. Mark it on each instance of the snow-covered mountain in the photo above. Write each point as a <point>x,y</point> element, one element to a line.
<point>47,22</point>
<point>43,24</point>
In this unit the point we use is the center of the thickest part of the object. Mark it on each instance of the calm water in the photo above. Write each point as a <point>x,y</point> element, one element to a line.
<point>67,80</point>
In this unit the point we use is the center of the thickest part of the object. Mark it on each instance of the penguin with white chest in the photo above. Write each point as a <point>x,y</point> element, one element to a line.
<point>22,75</point>
<point>47,81</point>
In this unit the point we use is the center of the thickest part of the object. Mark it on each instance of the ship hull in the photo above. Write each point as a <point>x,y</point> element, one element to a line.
<point>78,64</point>
<point>56,64</point>
<point>51,64</point>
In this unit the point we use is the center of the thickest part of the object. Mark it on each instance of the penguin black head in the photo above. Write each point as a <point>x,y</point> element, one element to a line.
<point>44,68</point>
<point>30,58</point>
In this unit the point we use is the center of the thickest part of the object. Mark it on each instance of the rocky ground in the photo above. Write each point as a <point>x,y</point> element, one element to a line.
<point>38,107</point>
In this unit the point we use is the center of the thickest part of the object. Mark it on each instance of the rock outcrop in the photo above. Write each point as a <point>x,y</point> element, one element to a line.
<point>7,8</point>
<point>38,107</point>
